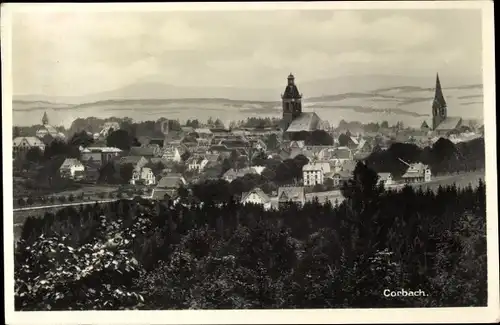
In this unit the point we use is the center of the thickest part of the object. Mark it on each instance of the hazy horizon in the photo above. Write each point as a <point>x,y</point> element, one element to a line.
<point>77,54</point>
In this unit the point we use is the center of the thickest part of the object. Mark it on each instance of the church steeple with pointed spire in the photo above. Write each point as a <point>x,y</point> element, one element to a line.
<point>439,108</point>
<point>45,119</point>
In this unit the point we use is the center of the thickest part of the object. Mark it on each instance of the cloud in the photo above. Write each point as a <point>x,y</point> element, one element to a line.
<point>78,53</point>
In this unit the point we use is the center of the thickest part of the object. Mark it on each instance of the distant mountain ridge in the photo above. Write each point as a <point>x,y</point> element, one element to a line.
<point>368,98</point>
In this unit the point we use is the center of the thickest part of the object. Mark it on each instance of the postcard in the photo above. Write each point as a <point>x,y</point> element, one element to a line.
<point>246,163</point>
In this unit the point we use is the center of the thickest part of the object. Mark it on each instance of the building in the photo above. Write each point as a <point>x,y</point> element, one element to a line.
<point>385,179</point>
<point>256,196</point>
<point>340,177</point>
<point>47,132</point>
<point>196,164</point>
<point>417,173</point>
<point>291,194</point>
<point>233,174</point>
<point>173,153</point>
<point>72,168</point>
<point>168,185</point>
<point>99,155</point>
<point>294,120</point>
<point>21,146</point>
<point>204,133</point>
<point>136,161</point>
<point>442,124</point>
<point>107,128</point>
<point>143,176</point>
<point>314,173</point>
<point>147,151</point>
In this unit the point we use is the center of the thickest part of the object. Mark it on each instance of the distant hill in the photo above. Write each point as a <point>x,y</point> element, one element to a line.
<point>361,98</point>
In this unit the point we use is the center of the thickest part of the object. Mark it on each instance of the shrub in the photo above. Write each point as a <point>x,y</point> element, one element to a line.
<point>101,195</point>
<point>30,201</point>
<point>62,199</point>
<point>71,198</point>
<point>21,201</point>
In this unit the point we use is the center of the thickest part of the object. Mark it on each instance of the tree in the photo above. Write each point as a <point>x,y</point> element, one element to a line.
<point>126,171</point>
<point>272,142</point>
<point>384,125</point>
<point>218,124</point>
<point>121,139</point>
<point>343,140</point>
<point>81,138</point>
<point>319,138</point>
<point>34,155</point>
<point>16,132</point>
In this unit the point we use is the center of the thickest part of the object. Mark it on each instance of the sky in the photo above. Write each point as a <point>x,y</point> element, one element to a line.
<point>72,54</point>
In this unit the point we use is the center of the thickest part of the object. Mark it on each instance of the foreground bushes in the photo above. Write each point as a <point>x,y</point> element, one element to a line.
<point>145,255</point>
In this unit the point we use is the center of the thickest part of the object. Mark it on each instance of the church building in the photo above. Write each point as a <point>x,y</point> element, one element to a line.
<point>47,132</point>
<point>294,120</point>
<point>442,124</point>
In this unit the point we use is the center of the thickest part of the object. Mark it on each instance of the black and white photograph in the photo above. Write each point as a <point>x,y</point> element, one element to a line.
<point>249,157</point>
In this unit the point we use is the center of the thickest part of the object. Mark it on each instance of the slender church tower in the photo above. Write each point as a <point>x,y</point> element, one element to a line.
<point>45,119</point>
<point>292,102</point>
<point>439,111</point>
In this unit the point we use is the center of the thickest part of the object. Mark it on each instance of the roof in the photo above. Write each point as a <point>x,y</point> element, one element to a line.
<point>70,162</point>
<point>305,122</point>
<point>171,181</point>
<point>291,193</point>
<point>297,144</point>
<point>325,167</point>
<point>415,170</point>
<point>159,193</point>
<point>384,176</point>
<point>143,151</point>
<point>130,159</point>
<point>449,123</point>
<point>32,141</point>
<point>343,174</point>
<point>195,159</point>
<point>265,198</point>
<point>342,153</point>
<point>203,131</point>
<point>102,149</point>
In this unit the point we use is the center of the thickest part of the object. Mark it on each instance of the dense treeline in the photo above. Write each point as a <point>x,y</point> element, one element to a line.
<point>443,157</point>
<point>146,255</point>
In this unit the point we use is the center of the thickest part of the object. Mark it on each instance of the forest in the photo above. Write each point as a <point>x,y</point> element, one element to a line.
<point>149,255</point>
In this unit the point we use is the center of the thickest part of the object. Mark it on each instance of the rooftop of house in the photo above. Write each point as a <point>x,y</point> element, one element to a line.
<point>415,169</point>
<point>143,151</point>
<point>384,176</point>
<point>171,181</point>
<point>32,141</point>
<point>264,197</point>
<point>102,149</point>
<point>68,162</point>
<point>317,166</point>
<point>291,193</point>
<point>130,159</point>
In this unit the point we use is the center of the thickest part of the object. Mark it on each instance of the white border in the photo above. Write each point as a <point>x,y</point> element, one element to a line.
<point>413,315</point>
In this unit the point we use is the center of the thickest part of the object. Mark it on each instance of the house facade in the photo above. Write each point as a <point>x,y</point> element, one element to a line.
<point>340,177</point>
<point>21,146</point>
<point>144,176</point>
<point>385,179</point>
<point>417,173</point>
<point>256,196</point>
<point>72,168</point>
<point>196,164</point>
<point>100,155</point>
<point>291,194</point>
<point>314,173</point>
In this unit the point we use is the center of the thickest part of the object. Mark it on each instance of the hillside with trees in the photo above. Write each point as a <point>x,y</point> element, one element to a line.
<point>150,255</point>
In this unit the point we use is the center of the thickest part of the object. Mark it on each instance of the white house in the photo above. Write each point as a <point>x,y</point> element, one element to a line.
<point>314,173</point>
<point>72,168</point>
<point>196,164</point>
<point>385,179</point>
<point>417,173</point>
<point>256,196</point>
<point>143,175</point>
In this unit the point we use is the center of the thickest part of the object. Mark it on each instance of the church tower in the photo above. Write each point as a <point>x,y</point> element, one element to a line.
<point>439,111</point>
<point>292,102</point>
<point>45,119</point>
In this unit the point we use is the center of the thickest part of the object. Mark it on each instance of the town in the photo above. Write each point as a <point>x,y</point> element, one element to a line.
<point>297,157</point>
